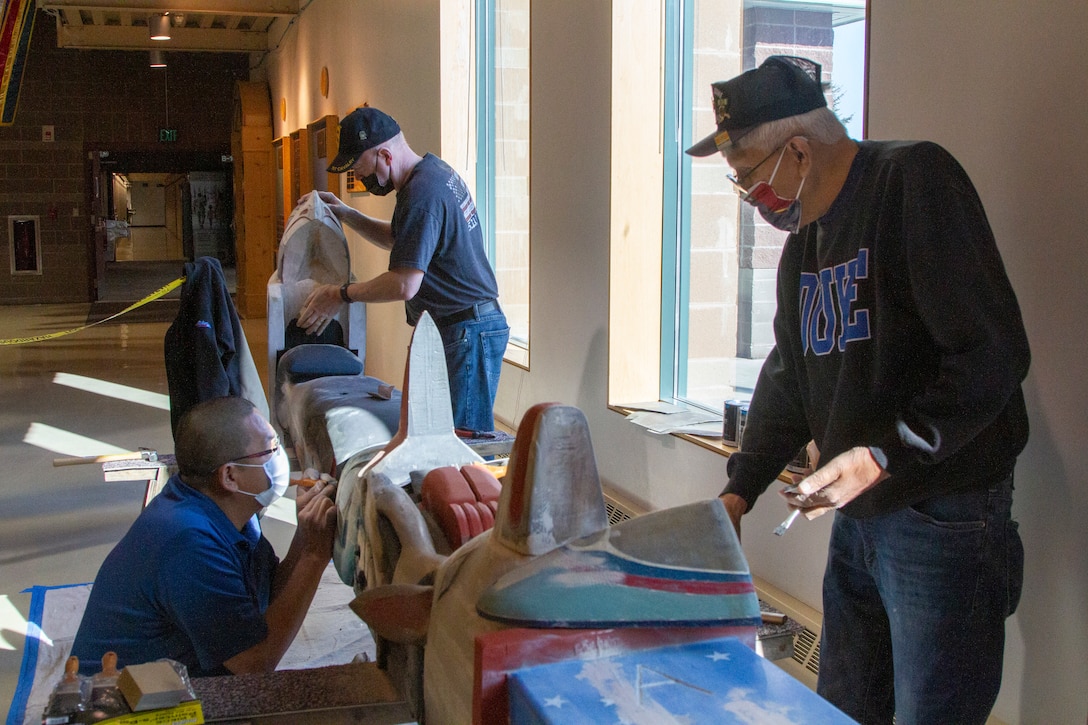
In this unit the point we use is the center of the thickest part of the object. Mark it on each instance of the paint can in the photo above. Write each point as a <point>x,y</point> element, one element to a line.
<point>742,423</point>
<point>800,462</point>
<point>730,419</point>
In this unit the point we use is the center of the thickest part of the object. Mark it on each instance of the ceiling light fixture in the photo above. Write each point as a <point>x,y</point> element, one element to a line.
<point>159,27</point>
<point>158,59</point>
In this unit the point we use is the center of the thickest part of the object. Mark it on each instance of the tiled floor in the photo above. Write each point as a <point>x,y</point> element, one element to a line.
<point>58,523</point>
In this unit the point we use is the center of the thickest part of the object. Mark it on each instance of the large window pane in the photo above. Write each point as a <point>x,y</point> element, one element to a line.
<point>722,256</point>
<point>503,174</point>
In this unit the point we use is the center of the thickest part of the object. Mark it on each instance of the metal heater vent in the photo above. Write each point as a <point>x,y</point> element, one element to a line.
<point>804,665</point>
<point>619,510</point>
<point>616,514</point>
<point>806,650</point>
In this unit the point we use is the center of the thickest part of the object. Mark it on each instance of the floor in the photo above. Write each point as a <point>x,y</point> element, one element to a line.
<point>93,391</point>
<point>122,278</point>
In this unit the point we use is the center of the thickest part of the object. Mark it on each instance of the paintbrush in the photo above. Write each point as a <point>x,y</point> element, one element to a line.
<point>781,528</point>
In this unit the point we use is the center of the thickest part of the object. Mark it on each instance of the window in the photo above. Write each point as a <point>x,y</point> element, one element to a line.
<point>719,258</point>
<point>502,174</point>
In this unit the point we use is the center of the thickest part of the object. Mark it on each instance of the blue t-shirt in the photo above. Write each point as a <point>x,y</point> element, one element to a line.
<point>436,230</point>
<point>183,583</point>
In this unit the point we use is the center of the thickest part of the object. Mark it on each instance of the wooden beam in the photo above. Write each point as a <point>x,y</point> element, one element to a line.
<point>114,37</point>
<point>284,8</point>
<point>70,17</point>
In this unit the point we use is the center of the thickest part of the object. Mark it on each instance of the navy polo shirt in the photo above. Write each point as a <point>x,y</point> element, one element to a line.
<point>183,583</point>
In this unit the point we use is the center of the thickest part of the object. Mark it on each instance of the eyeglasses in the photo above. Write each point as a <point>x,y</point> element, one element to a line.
<point>273,449</point>
<point>737,182</point>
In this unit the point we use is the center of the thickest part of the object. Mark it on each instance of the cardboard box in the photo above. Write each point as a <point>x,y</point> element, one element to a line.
<point>151,686</point>
<point>717,680</point>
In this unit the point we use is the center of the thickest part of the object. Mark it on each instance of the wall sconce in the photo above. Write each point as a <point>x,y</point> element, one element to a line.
<point>159,27</point>
<point>158,59</point>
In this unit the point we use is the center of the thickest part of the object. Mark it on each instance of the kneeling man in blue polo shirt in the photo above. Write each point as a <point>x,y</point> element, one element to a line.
<point>194,579</point>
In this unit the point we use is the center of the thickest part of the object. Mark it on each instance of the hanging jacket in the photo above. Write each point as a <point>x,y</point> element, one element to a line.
<point>205,347</point>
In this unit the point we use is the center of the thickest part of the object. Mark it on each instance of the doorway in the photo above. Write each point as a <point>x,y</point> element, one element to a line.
<point>155,212</point>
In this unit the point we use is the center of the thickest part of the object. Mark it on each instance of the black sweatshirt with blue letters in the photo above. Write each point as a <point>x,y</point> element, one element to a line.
<point>896,329</point>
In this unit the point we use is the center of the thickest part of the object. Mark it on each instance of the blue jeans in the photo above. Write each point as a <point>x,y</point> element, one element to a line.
<point>474,351</point>
<point>915,603</point>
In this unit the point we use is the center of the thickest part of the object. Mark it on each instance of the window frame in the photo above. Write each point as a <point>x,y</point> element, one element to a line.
<point>679,66</point>
<point>487,37</point>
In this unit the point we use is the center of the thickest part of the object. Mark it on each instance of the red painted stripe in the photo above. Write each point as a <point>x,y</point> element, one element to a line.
<point>519,463</point>
<point>688,587</point>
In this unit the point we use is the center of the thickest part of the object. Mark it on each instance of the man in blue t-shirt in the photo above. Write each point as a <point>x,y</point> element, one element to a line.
<point>437,261</point>
<point>194,580</point>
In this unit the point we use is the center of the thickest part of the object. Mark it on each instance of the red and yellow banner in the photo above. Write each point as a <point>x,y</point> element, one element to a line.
<point>16,25</point>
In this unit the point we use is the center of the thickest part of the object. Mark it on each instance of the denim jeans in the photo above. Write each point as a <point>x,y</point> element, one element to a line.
<point>915,604</point>
<point>474,350</point>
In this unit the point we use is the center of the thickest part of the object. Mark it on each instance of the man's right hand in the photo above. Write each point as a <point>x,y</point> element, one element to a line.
<point>319,308</point>
<point>316,512</point>
<point>736,507</point>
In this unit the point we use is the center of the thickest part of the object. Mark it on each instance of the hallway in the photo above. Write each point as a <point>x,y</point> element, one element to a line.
<point>100,390</point>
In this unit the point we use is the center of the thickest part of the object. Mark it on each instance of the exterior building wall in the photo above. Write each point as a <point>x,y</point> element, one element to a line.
<point>767,32</point>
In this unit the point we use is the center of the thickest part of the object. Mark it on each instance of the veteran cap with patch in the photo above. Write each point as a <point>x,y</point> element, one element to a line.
<point>780,87</point>
<point>361,130</point>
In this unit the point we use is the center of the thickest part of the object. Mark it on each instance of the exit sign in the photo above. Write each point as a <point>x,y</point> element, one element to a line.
<point>168,135</point>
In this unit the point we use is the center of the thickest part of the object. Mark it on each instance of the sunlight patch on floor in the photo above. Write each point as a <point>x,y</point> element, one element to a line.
<point>114,390</point>
<point>10,621</point>
<point>67,443</point>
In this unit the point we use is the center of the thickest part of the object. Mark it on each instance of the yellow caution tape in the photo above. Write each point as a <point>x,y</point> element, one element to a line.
<point>165,289</point>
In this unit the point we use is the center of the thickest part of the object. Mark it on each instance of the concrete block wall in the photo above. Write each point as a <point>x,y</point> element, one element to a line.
<point>96,100</point>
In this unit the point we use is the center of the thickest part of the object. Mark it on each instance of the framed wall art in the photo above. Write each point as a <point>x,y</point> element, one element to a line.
<point>24,245</point>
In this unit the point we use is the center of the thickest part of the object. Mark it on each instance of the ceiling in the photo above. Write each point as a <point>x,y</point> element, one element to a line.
<point>240,26</point>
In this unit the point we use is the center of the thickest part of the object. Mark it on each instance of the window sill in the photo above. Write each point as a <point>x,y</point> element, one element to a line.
<point>517,353</point>
<point>715,445</point>
<point>711,444</point>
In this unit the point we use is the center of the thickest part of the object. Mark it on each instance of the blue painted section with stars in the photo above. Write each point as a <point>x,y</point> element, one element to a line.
<point>718,680</point>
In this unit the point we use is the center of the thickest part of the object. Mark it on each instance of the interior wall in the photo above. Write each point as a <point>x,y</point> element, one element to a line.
<point>381,52</point>
<point>997,83</point>
<point>95,100</point>
<point>1001,85</point>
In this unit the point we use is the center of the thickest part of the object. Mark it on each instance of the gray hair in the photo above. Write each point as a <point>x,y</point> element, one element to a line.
<point>211,433</point>
<point>820,125</point>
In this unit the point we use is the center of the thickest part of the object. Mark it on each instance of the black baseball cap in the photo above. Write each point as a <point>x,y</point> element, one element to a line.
<point>782,86</point>
<point>361,130</point>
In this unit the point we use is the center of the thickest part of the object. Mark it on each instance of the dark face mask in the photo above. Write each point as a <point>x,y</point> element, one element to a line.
<point>373,186</point>
<point>370,183</point>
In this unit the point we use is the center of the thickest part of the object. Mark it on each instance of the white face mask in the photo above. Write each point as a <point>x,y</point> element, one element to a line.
<point>278,470</point>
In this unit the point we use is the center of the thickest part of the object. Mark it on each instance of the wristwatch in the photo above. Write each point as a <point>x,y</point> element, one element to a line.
<point>344,292</point>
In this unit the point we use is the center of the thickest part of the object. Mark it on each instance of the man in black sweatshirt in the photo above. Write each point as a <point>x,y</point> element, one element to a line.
<point>900,351</point>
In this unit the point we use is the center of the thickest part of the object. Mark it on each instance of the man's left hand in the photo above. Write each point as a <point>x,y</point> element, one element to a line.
<point>837,483</point>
